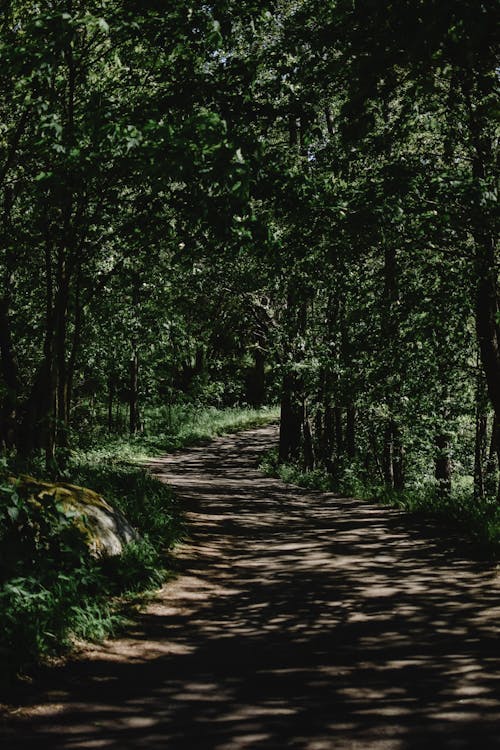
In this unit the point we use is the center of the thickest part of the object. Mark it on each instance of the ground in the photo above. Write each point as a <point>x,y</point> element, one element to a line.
<point>297,620</point>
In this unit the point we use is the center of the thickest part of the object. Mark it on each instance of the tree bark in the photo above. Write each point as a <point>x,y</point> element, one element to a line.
<point>443,465</point>
<point>351,432</point>
<point>291,419</point>
<point>481,423</point>
<point>308,441</point>
<point>134,390</point>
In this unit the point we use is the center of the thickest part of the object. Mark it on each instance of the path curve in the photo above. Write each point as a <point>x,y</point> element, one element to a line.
<point>298,620</point>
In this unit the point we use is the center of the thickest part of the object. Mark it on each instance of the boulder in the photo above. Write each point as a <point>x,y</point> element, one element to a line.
<point>106,529</point>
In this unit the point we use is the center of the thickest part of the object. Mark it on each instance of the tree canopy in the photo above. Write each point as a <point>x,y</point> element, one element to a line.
<point>249,203</point>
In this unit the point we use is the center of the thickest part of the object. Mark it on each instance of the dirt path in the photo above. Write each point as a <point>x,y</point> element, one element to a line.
<point>298,620</point>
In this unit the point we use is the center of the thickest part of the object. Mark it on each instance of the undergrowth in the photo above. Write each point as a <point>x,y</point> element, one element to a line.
<point>52,591</point>
<point>170,429</point>
<point>478,518</point>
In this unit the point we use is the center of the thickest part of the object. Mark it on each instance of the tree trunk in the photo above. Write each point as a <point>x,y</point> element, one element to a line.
<point>61,304</point>
<point>339,432</point>
<point>291,420</point>
<point>398,457</point>
<point>388,456</point>
<point>134,391</point>
<point>75,347</point>
<point>11,378</point>
<point>351,432</point>
<point>308,441</point>
<point>393,453</point>
<point>8,359</point>
<point>480,438</point>
<point>393,456</point>
<point>256,380</point>
<point>491,471</point>
<point>443,466</point>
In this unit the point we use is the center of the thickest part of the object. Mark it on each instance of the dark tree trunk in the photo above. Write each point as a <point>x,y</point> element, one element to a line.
<point>388,456</point>
<point>491,470</point>
<point>36,424</point>
<point>75,348</point>
<point>134,421</point>
<point>443,466</point>
<point>393,452</point>
<point>351,432</point>
<point>11,378</point>
<point>479,455</point>
<point>8,359</point>
<point>308,441</point>
<point>256,380</point>
<point>487,308</point>
<point>393,456</point>
<point>291,420</point>
<point>398,457</point>
<point>480,438</point>
<point>339,432</point>
<point>329,435</point>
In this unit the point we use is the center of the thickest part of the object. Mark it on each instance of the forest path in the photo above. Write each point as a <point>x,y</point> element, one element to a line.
<point>298,620</point>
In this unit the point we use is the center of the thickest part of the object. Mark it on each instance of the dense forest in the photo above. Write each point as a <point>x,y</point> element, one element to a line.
<point>244,204</point>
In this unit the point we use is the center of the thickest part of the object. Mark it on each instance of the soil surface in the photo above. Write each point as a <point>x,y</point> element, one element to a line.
<point>297,619</point>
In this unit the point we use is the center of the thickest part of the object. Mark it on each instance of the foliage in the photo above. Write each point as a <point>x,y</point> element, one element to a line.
<point>52,591</point>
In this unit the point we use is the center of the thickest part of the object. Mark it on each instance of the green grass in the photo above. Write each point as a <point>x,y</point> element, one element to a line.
<point>170,430</point>
<point>478,519</point>
<point>52,592</point>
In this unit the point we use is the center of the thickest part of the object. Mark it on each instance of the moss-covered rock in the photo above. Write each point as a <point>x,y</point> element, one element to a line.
<point>106,530</point>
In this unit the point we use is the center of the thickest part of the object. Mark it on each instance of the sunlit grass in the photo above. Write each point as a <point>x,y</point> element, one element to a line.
<point>178,427</point>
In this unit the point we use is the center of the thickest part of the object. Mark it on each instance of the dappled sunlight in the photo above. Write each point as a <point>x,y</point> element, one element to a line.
<point>297,620</point>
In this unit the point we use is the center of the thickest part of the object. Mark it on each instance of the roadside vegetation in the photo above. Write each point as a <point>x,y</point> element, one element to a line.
<point>458,511</point>
<point>53,592</point>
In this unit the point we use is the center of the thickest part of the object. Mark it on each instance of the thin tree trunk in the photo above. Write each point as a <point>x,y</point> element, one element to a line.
<point>480,438</point>
<point>398,457</point>
<point>443,465</point>
<point>388,456</point>
<point>351,432</point>
<point>291,420</point>
<point>339,432</point>
<point>491,470</point>
<point>308,441</point>
<point>134,390</point>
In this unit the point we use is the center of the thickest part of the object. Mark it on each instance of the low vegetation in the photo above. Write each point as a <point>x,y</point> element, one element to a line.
<point>52,591</point>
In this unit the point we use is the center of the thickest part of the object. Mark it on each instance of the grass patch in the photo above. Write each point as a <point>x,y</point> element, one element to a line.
<point>478,519</point>
<point>171,429</point>
<point>52,592</point>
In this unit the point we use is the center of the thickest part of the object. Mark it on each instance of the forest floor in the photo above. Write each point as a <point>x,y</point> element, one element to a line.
<point>297,619</point>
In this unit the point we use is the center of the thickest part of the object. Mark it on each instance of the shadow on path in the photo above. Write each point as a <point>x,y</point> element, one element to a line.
<point>298,620</point>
